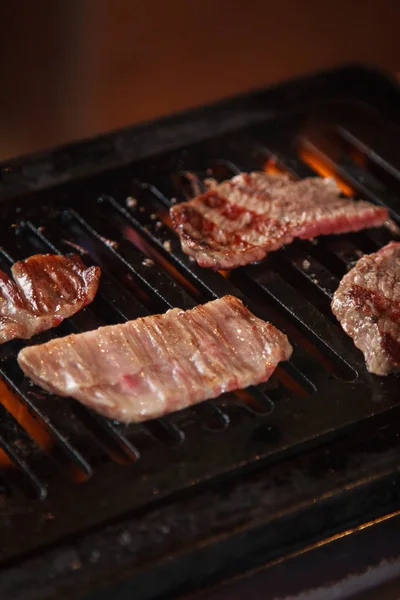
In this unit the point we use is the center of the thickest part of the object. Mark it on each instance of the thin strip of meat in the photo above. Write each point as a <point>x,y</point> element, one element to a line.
<point>367,304</point>
<point>240,220</point>
<point>155,365</point>
<point>47,288</point>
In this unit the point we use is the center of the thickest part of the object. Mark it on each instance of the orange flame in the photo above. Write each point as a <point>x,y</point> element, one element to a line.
<point>322,167</point>
<point>20,411</point>
<point>5,460</point>
<point>272,167</point>
<point>225,274</point>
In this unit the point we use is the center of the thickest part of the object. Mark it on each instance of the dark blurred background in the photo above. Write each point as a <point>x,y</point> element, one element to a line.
<point>74,68</point>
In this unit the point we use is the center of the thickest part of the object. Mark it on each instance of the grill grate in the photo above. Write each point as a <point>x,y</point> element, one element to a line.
<point>68,457</point>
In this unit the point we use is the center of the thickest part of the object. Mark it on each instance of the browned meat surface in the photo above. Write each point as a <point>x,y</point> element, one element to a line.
<point>156,365</point>
<point>239,221</point>
<point>47,288</point>
<point>367,304</point>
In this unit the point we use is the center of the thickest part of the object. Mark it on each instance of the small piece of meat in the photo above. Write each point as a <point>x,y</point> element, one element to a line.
<point>155,365</point>
<point>367,304</point>
<point>240,220</point>
<point>47,288</point>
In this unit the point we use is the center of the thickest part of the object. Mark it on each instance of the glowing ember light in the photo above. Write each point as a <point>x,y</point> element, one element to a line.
<point>21,413</point>
<point>274,168</point>
<point>323,168</point>
<point>225,274</point>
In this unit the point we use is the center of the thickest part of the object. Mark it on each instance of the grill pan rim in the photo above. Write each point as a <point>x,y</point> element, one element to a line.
<point>70,162</point>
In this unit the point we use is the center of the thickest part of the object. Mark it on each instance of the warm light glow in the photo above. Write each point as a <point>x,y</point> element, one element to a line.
<point>21,413</point>
<point>321,166</point>
<point>76,474</point>
<point>5,461</point>
<point>358,157</point>
<point>274,168</point>
<point>251,402</point>
<point>225,274</point>
<point>290,383</point>
<point>165,218</point>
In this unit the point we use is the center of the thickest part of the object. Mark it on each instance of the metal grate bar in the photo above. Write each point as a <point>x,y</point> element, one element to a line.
<point>282,152</point>
<point>314,272</point>
<point>154,281</point>
<point>34,482</point>
<point>308,317</point>
<point>64,433</point>
<point>211,415</point>
<point>346,253</point>
<point>366,185</point>
<point>110,435</point>
<point>158,234</point>
<point>373,141</point>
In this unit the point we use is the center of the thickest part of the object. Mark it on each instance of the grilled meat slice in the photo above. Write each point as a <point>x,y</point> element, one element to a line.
<point>155,365</point>
<point>47,288</point>
<point>367,304</point>
<point>240,220</point>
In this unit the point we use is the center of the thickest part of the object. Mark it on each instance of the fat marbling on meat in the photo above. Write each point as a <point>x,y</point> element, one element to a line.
<point>367,304</point>
<point>241,220</point>
<point>159,364</point>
